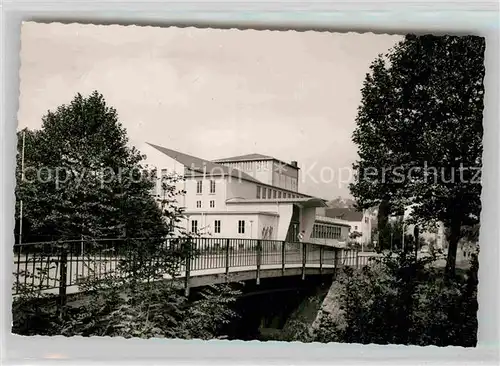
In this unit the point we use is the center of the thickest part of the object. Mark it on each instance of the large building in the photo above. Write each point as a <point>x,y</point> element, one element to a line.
<point>250,197</point>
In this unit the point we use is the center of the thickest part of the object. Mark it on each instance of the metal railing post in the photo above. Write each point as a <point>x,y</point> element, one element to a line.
<point>321,259</point>
<point>283,258</point>
<point>227,257</point>
<point>336,259</point>
<point>304,258</point>
<point>188,267</point>
<point>259,258</point>
<point>63,277</point>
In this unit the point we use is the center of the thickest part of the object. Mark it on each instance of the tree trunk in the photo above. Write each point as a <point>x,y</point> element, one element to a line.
<point>416,235</point>
<point>453,238</point>
<point>382,224</point>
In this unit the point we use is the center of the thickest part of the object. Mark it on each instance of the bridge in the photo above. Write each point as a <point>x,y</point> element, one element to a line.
<point>60,267</point>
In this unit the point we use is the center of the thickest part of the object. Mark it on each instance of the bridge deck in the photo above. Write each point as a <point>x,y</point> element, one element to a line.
<point>42,272</point>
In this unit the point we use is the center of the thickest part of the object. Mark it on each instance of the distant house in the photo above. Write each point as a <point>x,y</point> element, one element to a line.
<point>359,221</point>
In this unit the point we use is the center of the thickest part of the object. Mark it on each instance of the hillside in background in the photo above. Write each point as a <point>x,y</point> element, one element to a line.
<point>341,202</point>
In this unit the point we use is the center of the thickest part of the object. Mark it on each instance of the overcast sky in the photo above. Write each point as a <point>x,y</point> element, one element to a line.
<point>211,93</point>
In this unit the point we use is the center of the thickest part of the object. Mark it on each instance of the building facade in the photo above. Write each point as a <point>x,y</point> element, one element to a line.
<point>248,197</point>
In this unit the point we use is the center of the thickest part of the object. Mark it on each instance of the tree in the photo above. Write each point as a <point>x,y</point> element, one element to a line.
<point>407,298</point>
<point>419,132</point>
<point>81,179</point>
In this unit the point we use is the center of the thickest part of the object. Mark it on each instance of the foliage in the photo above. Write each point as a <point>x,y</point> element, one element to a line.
<point>419,132</point>
<point>406,298</point>
<point>81,179</point>
<point>130,302</point>
<point>208,315</point>
<point>355,234</point>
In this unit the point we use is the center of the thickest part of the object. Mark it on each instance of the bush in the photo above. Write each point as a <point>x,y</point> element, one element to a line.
<point>133,302</point>
<point>402,300</point>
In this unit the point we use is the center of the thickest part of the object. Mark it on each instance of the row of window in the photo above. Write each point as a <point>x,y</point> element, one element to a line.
<point>326,231</point>
<point>319,230</point>
<point>199,186</point>
<point>199,205</point>
<point>268,193</point>
<point>217,226</point>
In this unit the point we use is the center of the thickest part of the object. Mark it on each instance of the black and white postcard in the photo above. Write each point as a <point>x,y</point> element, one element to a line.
<point>248,185</point>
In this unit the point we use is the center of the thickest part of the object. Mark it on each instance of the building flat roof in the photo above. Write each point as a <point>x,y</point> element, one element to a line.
<point>329,220</point>
<point>305,201</point>
<point>268,213</point>
<point>252,157</point>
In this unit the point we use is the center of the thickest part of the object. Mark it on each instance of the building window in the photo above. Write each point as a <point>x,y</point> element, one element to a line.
<point>241,227</point>
<point>194,226</point>
<point>366,220</point>
<point>264,190</point>
<point>217,226</point>
<point>212,204</point>
<point>212,186</point>
<point>269,193</point>
<point>258,191</point>
<point>279,194</point>
<point>199,187</point>
<point>355,228</point>
<point>274,193</point>
<point>198,204</point>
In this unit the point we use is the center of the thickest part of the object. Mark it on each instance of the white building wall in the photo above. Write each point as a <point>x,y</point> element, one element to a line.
<point>236,188</point>
<point>268,227</point>
<point>254,225</point>
<point>263,171</point>
<point>285,212</point>
<point>308,216</point>
<point>219,197</point>
<point>364,227</point>
<point>260,170</point>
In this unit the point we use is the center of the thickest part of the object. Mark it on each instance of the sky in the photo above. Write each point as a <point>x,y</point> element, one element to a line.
<point>212,93</point>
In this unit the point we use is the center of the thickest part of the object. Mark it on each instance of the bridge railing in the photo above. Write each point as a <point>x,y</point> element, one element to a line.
<point>60,264</point>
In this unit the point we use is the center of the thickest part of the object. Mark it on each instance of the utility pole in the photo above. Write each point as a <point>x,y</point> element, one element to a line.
<point>21,201</point>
